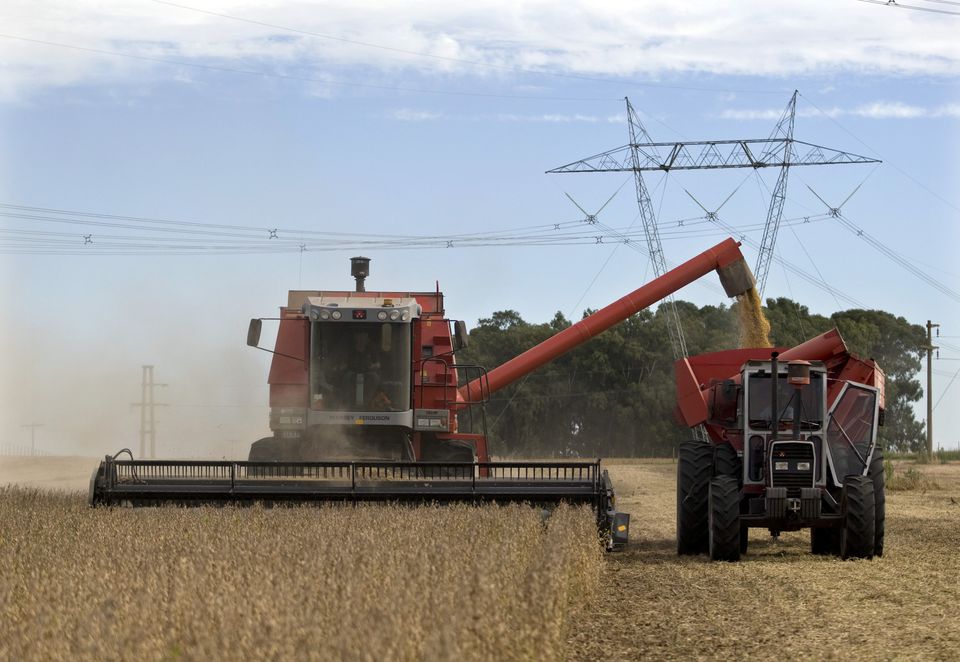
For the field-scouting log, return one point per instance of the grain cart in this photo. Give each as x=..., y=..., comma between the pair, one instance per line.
x=368, y=403
x=793, y=445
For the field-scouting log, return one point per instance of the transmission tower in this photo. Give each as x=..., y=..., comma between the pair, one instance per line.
x=148, y=416
x=780, y=150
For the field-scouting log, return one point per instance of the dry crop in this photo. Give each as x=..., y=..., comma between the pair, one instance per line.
x=378, y=582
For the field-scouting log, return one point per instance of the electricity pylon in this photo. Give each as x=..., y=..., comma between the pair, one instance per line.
x=780, y=150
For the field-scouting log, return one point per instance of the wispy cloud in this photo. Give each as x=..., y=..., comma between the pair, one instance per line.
x=421, y=115
x=872, y=110
x=620, y=39
x=413, y=115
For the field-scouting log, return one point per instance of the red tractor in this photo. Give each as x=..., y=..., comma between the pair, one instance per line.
x=793, y=445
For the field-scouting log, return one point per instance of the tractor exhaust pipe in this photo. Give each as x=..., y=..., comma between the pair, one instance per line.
x=360, y=269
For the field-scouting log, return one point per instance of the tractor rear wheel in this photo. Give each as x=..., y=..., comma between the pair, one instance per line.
x=726, y=462
x=724, y=519
x=824, y=542
x=694, y=468
x=857, y=537
x=876, y=475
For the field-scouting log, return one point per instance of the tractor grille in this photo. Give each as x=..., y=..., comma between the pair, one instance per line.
x=792, y=465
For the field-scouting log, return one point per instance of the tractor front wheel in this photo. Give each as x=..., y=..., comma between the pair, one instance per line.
x=724, y=519
x=694, y=469
x=857, y=538
x=876, y=475
x=824, y=542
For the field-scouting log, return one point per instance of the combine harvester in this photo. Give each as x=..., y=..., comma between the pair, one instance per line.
x=793, y=445
x=368, y=403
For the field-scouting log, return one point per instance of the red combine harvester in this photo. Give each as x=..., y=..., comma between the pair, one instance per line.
x=793, y=445
x=368, y=403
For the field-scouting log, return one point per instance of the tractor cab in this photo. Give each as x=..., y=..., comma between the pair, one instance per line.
x=783, y=424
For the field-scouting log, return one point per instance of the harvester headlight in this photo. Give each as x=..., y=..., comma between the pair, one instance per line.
x=336, y=314
x=382, y=315
x=324, y=314
x=394, y=315
x=405, y=316
x=314, y=315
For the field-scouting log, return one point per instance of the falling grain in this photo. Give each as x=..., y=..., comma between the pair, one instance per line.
x=754, y=327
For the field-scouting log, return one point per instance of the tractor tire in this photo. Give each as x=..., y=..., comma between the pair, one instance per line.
x=726, y=462
x=268, y=449
x=876, y=475
x=724, y=519
x=824, y=542
x=744, y=540
x=694, y=468
x=857, y=537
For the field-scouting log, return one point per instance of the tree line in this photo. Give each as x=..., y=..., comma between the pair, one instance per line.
x=614, y=395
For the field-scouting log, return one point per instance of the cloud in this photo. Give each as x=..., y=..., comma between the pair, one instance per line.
x=367, y=39
x=411, y=115
x=872, y=110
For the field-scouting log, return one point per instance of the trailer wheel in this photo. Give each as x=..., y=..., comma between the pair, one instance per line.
x=859, y=522
x=824, y=542
x=694, y=467
x=726, y=462
x=879, y=500
x=724, y=519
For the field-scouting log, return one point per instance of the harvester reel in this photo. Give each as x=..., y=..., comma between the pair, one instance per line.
x=694, y=470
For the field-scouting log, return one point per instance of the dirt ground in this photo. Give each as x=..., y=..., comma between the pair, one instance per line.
x=49, y=473
x=778, y=602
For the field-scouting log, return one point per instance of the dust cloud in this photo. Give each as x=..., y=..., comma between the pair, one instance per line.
x=83, y=391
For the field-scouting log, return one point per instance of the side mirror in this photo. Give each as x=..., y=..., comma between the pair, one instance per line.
x=253, y=332
x=460, y=337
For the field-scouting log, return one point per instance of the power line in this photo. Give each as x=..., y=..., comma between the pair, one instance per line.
x=885, y=160
x=949, y=384
x=894, y=3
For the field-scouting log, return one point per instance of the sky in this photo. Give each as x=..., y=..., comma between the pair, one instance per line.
x=420, y=135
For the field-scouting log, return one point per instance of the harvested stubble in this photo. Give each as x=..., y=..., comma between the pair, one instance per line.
x=377, y=582
x=780, y=602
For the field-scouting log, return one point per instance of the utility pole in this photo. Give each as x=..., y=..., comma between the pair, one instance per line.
x=33, y=436
x=148, y=415
x=930, y=347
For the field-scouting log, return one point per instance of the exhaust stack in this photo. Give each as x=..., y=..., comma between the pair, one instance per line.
x=360, y=269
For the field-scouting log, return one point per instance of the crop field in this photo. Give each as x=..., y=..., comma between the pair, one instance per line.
x=460, y=582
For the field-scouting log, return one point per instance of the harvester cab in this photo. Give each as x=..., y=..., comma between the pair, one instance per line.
x=793, y=446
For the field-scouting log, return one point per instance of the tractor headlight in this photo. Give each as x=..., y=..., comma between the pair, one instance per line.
x=336, y=314
x=324, y=314
x=314, y=315
x=394, y=315
x=382, y=315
